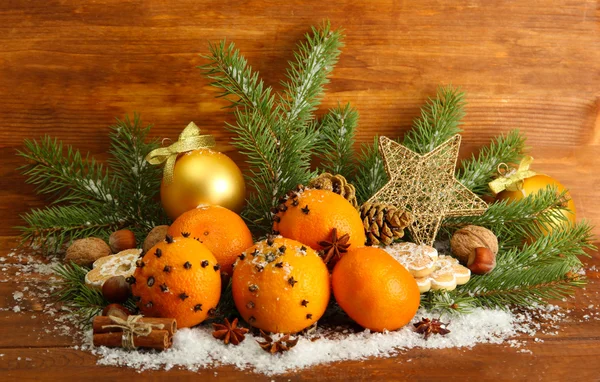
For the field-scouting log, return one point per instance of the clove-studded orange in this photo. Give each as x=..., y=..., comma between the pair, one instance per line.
x=374, y=289
x=310, y=216
x=280, y=285
x=177, y=278
x=221, y=230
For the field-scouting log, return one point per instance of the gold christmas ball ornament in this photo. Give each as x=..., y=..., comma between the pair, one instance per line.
x=518, y=183
x=537, y=183
x=194, y=174
x=203, y=177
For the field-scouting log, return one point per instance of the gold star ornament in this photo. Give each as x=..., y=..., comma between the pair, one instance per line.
x=425, y=185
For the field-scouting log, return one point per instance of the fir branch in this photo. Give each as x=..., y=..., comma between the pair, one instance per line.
x=230, y=73
x=370, y=173
x=53, y=226
x=87, y=302
x=278, y=140
x=307, y=75
x=66, y=177
x=138, y=181
x=476, y=173
x=515, y=221
x=544, y=270
x=439, y=121
x=337, y=131
x=94, y=201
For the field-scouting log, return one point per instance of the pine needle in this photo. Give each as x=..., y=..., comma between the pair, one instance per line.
x=440, y=119
x=476, y=173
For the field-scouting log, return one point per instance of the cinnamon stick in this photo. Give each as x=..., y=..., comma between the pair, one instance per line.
x=170, y=325
x=158, y=339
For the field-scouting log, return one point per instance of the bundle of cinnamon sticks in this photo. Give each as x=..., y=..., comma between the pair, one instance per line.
x=108, y=333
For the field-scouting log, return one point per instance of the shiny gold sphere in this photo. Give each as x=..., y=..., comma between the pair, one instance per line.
x=203, y=177
x=535, y=184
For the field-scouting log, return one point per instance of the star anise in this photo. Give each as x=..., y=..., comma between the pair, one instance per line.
x=229, y=332
x=428, y=327
x=271, y=346
x=335, y=246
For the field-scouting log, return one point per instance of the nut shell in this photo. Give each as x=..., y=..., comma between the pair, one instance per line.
x=156, y=235
x=116, y=310
x=121, y=240
x=467, y=239
x=85, y=251
x=116, y=289
x=483, y=262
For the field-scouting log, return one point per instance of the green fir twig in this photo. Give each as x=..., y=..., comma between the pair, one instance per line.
x=90, y=199
x=275, y=132
x=515, y=221
x=370, y=173
x=477, y=172
x=440, y=119
x=337, y=131
x=545, y=270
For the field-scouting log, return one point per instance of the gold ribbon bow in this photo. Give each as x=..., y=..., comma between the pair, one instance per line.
x=189, y=139
x=132, y=327
x=512, y=179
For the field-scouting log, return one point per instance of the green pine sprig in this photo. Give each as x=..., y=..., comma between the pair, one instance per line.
x=276, y=132
x=370, y=174
x=544, y=270
x=336, y=133
x=477, y=172
x=515, y=221
x=440, y=119
x=89, y=199
x=86, y=302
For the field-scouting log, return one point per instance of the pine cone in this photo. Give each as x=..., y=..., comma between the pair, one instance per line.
x=337, y=184
x=383, y=223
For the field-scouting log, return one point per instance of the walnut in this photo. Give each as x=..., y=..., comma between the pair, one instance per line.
x=85, y=251
x=467, y=239
x=156, y=235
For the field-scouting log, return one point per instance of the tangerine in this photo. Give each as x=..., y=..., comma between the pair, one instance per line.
x=177, y=278
x=310, y=215
x=221, y=230
x=374, y=289
x=280, y=285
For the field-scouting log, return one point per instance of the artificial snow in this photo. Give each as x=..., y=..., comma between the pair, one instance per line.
x=195, y=349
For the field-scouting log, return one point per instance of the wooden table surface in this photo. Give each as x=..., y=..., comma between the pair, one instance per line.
x=68, y=68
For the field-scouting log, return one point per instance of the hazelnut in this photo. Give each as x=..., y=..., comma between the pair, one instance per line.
x=116, y=289
x=85, y=251
x=116, y=310
x=156, y=235
x=465, y=240
x=121, y=240
x=484, y=261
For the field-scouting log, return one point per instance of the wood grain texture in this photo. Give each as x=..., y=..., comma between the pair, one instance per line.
x=68, y=68
x=30, y=352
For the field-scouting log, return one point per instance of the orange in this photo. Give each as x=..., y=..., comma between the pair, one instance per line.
x=535, y=184
x=177, y=278
x=280, y=285
x=374, y=289
x=221, y=230
x=310, y=215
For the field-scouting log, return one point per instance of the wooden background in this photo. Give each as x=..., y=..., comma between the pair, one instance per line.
x=68, y=68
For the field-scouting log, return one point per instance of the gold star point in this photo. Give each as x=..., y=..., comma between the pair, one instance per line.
x=426, y=186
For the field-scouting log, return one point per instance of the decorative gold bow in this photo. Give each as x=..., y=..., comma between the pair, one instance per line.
x=132, y=327
x=189, y=139
x=512, y=179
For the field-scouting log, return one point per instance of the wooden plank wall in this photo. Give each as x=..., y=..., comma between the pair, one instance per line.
x=68, y=68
